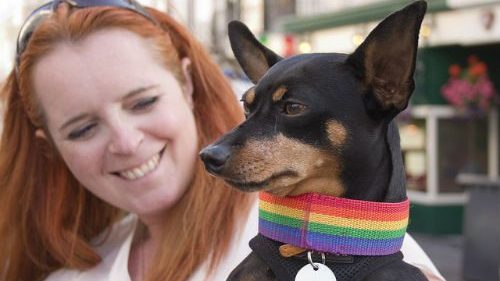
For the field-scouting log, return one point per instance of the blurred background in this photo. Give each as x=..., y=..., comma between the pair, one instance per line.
x=449, y=133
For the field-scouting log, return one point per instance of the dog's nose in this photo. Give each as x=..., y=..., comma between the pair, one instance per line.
x=214, y=157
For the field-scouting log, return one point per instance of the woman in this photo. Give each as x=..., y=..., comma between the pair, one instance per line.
x=106, y=110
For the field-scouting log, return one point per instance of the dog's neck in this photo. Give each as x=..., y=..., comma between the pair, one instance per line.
x=333, y=224
x=382, y=179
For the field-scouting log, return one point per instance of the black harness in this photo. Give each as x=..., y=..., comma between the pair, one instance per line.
x=346, y=268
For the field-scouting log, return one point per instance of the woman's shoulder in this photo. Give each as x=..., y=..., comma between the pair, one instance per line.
x=416, y=256
x=113, y=247
x=63, y=274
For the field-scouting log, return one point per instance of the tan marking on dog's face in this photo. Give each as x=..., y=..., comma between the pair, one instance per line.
x=337, y=133
x=249, y=96
x=279, y=93
x=306, y=168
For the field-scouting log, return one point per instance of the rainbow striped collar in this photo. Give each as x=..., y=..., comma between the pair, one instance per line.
x=334, y=225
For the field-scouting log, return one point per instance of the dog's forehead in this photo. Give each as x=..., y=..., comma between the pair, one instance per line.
x=298, y=71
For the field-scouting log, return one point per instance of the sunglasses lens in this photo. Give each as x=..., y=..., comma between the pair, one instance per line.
x=45, y=10
x=29, y=26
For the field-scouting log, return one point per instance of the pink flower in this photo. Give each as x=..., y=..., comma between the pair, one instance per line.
x=470, y=87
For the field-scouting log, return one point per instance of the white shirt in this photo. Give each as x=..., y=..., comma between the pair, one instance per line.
x=115, y=254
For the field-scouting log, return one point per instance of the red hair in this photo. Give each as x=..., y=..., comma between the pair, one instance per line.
x=48, y=218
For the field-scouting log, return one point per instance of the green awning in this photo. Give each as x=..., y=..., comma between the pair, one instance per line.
x=367, y=13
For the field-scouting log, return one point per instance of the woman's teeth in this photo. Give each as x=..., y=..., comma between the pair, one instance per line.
x=141, y=171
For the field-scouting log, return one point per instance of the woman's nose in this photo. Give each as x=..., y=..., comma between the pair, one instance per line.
x=125, y=139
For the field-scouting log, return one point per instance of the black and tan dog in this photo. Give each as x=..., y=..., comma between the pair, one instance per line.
x=323, y=123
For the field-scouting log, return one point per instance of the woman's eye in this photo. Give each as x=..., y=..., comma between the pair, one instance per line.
x=292, y=108
x=145, y=103
x=81, y=133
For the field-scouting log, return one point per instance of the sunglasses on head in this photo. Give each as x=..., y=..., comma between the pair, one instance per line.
x=42, y=12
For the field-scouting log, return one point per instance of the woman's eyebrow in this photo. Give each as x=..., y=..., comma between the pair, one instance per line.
x=74, y=120
x=130, y=94
x=138, y=91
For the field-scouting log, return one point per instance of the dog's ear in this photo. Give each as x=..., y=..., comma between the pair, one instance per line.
x=254, y=58
x=385, y=61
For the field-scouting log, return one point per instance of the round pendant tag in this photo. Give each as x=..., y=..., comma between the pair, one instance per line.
x=308, y=273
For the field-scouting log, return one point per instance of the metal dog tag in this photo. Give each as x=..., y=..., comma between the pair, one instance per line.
x=308, y=273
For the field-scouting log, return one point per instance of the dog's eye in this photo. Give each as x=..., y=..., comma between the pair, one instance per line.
x=292, y=108
x=246, y=109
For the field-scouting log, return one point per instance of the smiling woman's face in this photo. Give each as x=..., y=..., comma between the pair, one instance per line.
x=121, y=121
